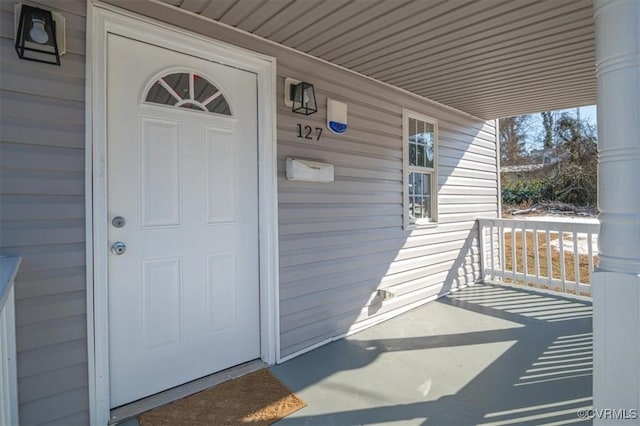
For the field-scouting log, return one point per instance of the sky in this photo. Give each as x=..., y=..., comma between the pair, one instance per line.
x=588, y=113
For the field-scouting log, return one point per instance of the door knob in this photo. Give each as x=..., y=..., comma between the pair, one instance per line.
x=118, y=248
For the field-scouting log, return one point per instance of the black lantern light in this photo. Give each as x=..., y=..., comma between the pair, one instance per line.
x=304, y=98
x=36, y=36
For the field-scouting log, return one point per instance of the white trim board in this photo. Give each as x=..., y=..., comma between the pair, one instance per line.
x=101, y=20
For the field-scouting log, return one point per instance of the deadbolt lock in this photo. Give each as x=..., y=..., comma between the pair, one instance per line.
x=118, y=222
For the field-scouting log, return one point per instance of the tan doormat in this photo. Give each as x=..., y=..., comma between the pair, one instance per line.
x=255, y=399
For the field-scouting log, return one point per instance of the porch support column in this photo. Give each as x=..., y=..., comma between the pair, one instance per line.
x=616, y=282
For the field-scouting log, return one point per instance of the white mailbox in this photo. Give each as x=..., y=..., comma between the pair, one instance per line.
x=309, y=171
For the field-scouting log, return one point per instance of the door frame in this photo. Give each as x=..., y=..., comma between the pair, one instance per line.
x=103, y=19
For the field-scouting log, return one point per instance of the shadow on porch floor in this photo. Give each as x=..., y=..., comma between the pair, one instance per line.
x=483, y=355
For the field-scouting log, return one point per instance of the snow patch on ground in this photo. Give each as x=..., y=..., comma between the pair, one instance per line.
x=583, y=244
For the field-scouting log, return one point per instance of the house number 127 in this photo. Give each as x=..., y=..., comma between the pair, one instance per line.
x=305, y=132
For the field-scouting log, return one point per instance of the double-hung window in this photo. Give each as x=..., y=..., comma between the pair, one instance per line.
x=420, y=154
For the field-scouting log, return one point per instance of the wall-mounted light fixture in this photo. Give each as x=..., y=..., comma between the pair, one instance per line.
x=300, y=96
x=304, y=99
x=40, y=34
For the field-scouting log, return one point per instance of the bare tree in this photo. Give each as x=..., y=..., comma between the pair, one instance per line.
x=575, y=178
x=547, y=128
x=513, y=139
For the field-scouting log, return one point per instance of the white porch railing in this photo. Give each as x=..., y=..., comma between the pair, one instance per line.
x=8, y=373
x=556, y=255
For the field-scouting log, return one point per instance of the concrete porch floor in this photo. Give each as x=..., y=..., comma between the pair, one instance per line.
x=483, y=355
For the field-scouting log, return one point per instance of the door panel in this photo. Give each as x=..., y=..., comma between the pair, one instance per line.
x=222, y=306
x=160, y=171
x=184, y=296
x=219, y=166
x=161, y=308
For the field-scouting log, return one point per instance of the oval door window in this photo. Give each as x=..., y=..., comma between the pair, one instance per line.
x=188, y=90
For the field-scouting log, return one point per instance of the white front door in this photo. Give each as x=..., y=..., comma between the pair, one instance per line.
x=182, y=174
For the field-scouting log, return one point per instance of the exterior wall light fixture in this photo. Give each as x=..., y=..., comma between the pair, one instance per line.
x=303, y=98
x=38, y=34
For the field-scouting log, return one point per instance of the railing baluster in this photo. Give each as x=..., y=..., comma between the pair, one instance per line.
x=493, y=243
x=590, y=254
x=576, y=261
x=496, y=253
x=525, y=268
x=514, y=255
x=501, y=247
x=562, y=266
x=536, y=254
x=549, y=259
x=483, y=260
x=489, y=262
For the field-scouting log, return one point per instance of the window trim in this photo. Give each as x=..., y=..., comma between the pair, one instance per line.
x=406, y=169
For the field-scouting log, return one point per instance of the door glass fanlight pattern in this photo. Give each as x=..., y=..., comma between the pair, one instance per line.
x=188, y=90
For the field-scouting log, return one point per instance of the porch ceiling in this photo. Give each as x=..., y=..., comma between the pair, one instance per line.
x=490, y=58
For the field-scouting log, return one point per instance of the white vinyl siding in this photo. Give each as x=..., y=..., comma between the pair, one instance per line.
x=42, y=218
x=339, y=242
